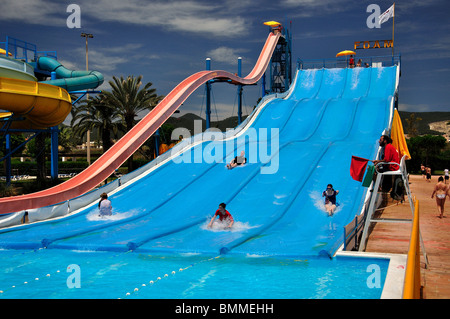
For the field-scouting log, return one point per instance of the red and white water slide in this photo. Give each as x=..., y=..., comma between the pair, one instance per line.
x=105, y=165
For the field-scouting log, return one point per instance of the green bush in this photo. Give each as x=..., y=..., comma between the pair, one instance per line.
x=29, y=168
x=67, y=167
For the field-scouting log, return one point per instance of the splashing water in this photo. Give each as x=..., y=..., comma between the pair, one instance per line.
x=309, y=79
x=319, y=201
x=222, y=226
x=355, y=78
x=95, y=216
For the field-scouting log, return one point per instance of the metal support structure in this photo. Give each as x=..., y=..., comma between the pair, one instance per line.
x=281, y=64
x=8, y=159
x=54, y=132
x=369, y=218
x=83, y=94
x=239, y=91
x=208, y=96
x=88, y=133
x=263, y=86
x=157, y=142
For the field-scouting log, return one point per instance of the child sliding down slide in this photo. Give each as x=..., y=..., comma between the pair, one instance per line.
x=224, y=216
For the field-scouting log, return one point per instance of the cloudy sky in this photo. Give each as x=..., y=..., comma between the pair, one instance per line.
x=166, y=41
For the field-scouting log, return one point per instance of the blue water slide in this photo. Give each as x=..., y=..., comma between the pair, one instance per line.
x=308, y=136
x=297, y=223
x=68, y=79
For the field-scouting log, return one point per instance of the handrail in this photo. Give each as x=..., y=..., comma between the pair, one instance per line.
x=352, y=235
x=411, y=289
x=342, y=62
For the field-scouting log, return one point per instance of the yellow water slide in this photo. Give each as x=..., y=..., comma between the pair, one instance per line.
x=33, y=105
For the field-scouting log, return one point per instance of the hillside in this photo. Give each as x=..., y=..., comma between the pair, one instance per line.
x=423, y=126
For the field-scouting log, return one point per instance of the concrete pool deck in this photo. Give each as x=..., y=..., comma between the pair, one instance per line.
x=393, y=238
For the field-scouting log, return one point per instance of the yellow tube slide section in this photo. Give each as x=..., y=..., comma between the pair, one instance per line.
x=41, y=105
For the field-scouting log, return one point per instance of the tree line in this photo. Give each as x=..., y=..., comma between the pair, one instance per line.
x=430, y=150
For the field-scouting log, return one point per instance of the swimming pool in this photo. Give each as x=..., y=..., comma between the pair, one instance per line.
x=61, y=274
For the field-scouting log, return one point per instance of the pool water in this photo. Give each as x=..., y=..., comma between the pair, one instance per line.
x=53, y=273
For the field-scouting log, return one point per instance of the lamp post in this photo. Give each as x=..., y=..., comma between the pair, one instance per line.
x=88, y=133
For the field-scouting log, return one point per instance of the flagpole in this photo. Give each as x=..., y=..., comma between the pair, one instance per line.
x=393, y=21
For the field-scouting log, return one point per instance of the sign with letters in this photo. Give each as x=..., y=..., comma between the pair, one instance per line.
x=376, y=44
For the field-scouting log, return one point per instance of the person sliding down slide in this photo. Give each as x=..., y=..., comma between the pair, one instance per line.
x=330, y=199
x=104, y=206
x=238, y=160
x=224, y=216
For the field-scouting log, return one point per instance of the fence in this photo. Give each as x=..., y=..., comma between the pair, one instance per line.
x=343, y=62
x=352, y=232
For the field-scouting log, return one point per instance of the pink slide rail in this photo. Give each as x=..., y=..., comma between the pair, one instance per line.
x=105, y=165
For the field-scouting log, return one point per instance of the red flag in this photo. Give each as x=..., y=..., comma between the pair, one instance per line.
x=358, y=168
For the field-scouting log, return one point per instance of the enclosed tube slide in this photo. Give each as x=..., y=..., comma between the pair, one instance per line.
x=41, y=105
x=68, y=79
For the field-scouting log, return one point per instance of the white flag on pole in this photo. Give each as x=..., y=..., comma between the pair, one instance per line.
x=385, y=16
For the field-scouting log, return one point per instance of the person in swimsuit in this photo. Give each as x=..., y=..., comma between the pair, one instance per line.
x=441, y=190
x=238, y=160
x=104, y=206
x=428, y=174
x=330, y=199
x=422, y=169
x=224, y=216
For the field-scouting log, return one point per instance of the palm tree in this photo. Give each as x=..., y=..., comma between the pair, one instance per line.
x=95, y=114
x=128, y=99
x=67, y=139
